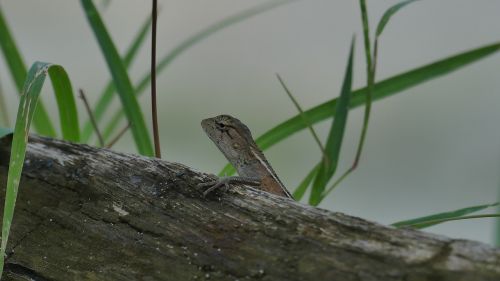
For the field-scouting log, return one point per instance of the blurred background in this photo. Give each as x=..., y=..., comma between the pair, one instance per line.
x=432, y=148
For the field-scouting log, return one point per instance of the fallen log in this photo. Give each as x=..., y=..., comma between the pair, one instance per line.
x=85, y=213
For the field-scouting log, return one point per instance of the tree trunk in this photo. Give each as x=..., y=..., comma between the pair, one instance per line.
x=85, y=213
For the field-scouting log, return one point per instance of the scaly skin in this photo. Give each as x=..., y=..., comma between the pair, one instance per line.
x=235, y=141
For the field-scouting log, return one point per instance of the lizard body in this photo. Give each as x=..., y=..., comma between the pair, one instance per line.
x=235, y=141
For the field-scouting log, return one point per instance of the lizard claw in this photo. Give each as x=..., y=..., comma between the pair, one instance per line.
x=225, y=182
x=212, y=185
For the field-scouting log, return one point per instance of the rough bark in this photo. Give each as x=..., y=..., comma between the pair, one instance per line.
x=93, y=214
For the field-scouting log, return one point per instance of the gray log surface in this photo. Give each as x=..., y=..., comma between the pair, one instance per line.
x=85, y=213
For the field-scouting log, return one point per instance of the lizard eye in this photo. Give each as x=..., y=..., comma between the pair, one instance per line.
x=221, y=126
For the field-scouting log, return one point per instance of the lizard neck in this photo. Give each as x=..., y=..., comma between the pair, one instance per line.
x=257, y=166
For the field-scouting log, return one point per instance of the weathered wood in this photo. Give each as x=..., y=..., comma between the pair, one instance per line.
x=93, y=214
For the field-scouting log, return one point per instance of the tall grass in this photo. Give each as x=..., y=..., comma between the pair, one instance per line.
x=31, y=109
x=27, y=107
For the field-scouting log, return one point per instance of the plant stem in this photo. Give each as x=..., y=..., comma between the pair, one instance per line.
x=415, y=225
x=118, y=136
x=91, y=117
x=304, y=118
x=156, y=135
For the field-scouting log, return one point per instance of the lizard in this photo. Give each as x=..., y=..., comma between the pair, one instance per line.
x=235, y=141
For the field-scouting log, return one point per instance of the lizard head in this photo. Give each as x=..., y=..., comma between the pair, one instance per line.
x=225, y=126
x=229, y=134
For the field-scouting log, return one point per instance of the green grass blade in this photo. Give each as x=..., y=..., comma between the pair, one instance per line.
x=388, y=14
x=196, y=38
x=68, y=114
x=335, y=136
x=107, y=94
x=431, y=220
x=17, y=69
x=366, y=35
x=121, y=80
x=27, y=105
x=4, y=116
x=438, y=221
x=301, y=189
x=192, y=40
x=383, y=89
x=370, y=80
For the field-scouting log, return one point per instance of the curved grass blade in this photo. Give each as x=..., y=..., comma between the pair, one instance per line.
x=388, y=14
x=17, y=69
x=336, y=135
x=438, y=221
x=383, y=89
x=107, y=94
x=27, y=105
x=370, y=75
x=190, y=42
x=66, y=103
x=121, y=80
x=431, y=220
x=371, y=64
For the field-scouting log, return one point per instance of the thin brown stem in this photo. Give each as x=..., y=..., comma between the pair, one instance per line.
x=118, y=136
x=304, y=118
x=156, y=134
x=91, y=117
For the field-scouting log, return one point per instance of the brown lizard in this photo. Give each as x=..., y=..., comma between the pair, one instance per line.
x=235, y=141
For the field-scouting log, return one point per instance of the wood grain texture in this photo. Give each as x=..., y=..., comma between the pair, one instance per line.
x=93, y=214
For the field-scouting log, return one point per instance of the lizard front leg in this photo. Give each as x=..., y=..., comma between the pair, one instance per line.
x=226, y=181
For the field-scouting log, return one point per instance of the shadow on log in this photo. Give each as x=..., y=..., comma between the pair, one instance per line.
x=93, y=214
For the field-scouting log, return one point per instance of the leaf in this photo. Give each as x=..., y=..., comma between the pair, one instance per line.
x=431, y=220
x=382, y=89
x=121, y=80
x=336, y=135
x=107, y=94
x=188, y=43
x=388, y=14
x=66, y=103
x=27, y=105
x=17, y=69
x=4, y=116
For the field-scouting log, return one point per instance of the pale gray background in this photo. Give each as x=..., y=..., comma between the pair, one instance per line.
x=432, y=148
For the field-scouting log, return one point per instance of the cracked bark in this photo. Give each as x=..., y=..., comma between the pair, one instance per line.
x=93, y=214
